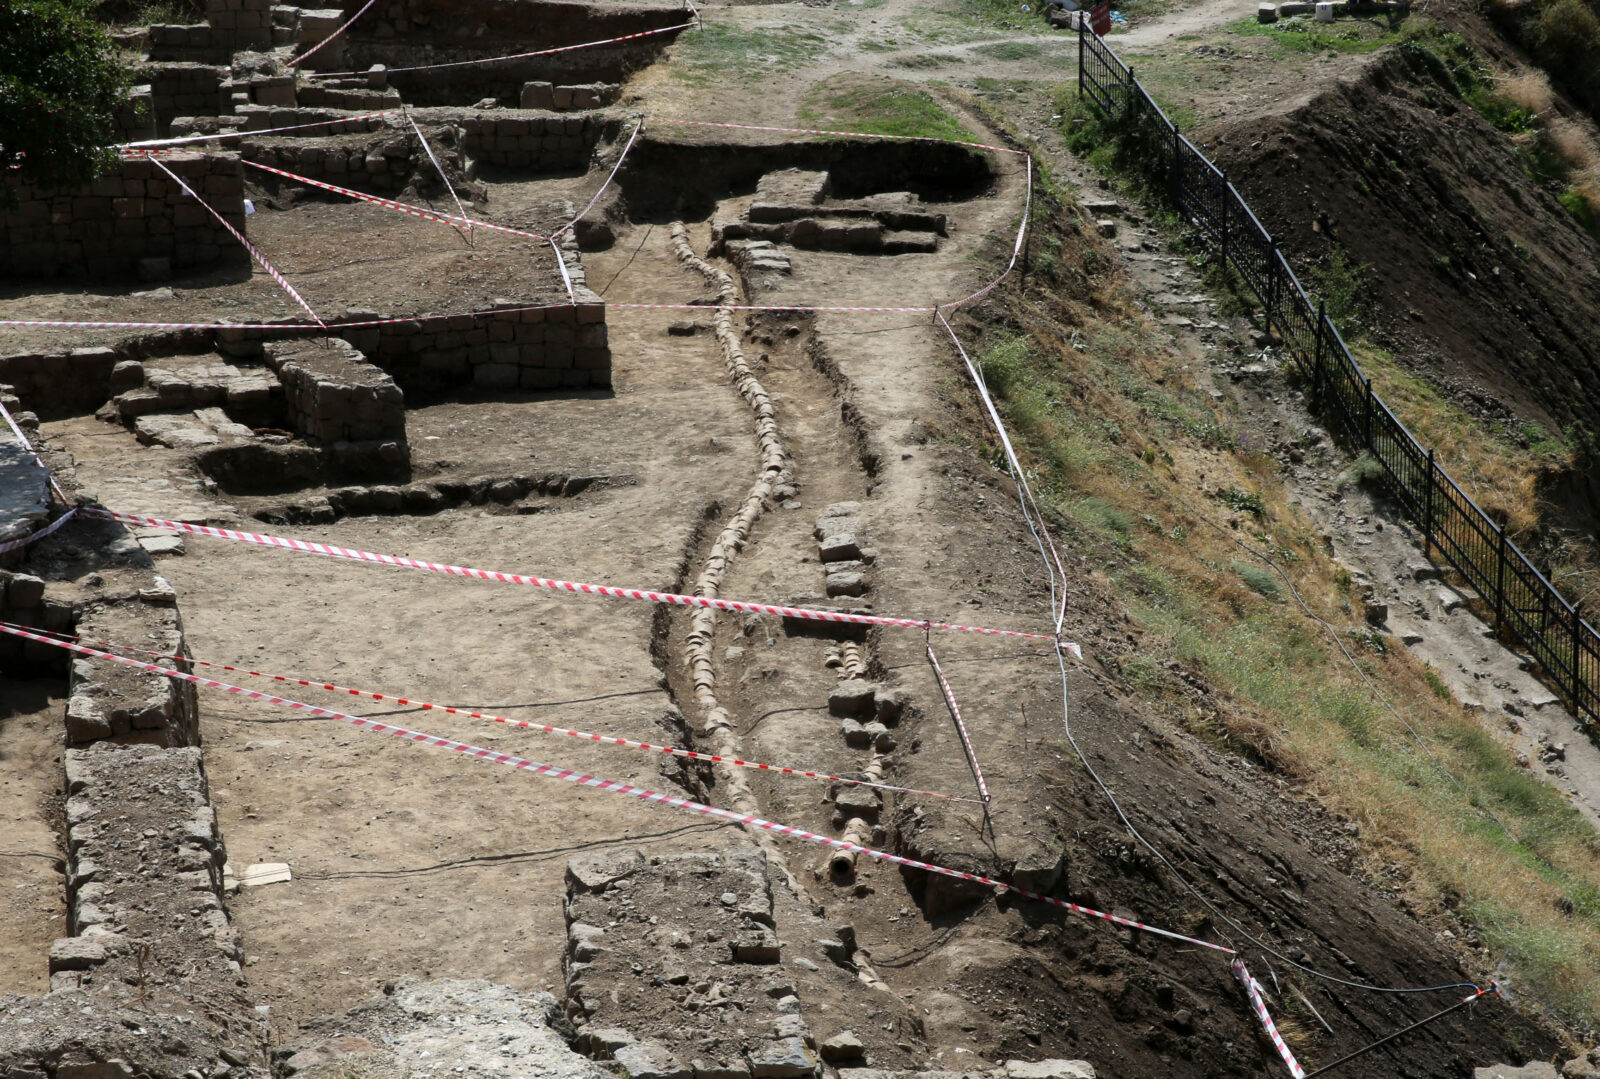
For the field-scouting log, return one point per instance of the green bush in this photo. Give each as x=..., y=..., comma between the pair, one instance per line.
x=60, y=86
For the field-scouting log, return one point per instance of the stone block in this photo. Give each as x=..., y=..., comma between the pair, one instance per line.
x=852, y=698
x=648, y=1060
x=1049, y=1069
x=787, y=1058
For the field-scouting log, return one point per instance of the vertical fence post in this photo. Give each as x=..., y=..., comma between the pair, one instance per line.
x=1500, y=582
x=1177, y=167
x=1366, y=417
x=1227, y=200
x=1080, y=56
x=1577, y=657
x=1427, y=508
x=1275, y=286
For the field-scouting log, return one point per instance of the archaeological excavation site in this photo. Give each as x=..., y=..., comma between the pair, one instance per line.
x=511, y=566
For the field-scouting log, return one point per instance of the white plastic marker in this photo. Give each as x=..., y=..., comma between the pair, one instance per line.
x=610, y=786
x=303, y=57
x=1252, y=989
x=328, y=550
x=513, y=56
x=237, y=235
x=603, y=739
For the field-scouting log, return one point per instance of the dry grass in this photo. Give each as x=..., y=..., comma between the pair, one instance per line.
x=1142, y=469
x=1529, y=90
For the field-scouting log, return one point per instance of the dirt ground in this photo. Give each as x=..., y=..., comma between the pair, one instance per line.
x=414, y=864
x=33, y=902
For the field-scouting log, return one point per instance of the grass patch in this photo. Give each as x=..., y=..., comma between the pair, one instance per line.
x=880, y=106
x=1011, y=50
x=718, y=50
x=1302, y=35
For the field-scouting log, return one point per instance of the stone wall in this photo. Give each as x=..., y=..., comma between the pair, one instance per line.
x=542, y=348
x=136, y=222
x=528, y=139
x=185, y=89
x=333, y=394
x=406, y=33
x=193, y=44
x=238, y=25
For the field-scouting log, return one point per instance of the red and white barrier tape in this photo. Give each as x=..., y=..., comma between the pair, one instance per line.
x=248, y=246
x=144, y=147
x=961, y=728
x=22, y=438
x=311, y=51
x=403, y=207
x=610, y=786
x=513, y=56
x=448, y=186
x=286, y=327
x=35, y=537
x=843, y=134
x=1016, y=249
x=1252, y=989
x=427, y=706
x=561, y=264
x=638, y=127
x=328, y=550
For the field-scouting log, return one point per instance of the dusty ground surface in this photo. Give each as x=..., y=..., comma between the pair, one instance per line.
x=411, y=863
x=33, y=901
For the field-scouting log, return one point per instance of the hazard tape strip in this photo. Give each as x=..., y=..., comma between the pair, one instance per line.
x=448, y=186
x=961, y=727
x=603, y=739
x=513, y=56
x=303, y=57
x=403, y=207
x=248, y=246
x=843, y=134
x=611, y=786
x=638, y=127
x=1252, y=989
x=35, y=537
x=149, y=146
x=328, y=550
x=22, y=437
x=286, y=327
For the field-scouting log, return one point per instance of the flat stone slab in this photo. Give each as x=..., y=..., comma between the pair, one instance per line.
x=24, y=488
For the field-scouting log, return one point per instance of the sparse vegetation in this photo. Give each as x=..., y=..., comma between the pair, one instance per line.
x=720, y=49
x=1086, y=406
x=880, y=106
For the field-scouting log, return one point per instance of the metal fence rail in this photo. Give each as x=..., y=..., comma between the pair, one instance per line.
x=1522, y=601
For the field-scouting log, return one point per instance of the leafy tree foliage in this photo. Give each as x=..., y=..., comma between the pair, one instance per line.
x=60, y=85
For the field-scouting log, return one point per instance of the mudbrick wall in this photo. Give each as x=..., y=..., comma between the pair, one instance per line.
x=135, y=222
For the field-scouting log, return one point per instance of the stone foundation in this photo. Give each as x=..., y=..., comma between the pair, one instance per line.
x=135, y=222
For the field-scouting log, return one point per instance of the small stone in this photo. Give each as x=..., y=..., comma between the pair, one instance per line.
x=843, y=1046
x=805, y=964
x=1376, y=613
x=841, y=547
x=854, y=733
x=852, y=697
x=1447, y=600
x=595, y=872
x=1049, y=1069
x=755, y=946
x=76, y=953
x=787, y=1058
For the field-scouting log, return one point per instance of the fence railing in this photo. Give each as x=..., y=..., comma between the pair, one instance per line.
x=1523, y=603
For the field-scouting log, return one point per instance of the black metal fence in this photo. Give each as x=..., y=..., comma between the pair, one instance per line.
x=1524, y=604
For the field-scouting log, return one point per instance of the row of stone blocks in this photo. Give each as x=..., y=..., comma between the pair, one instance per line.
x=333, y=394
x=519, y=345
x=135, y=213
